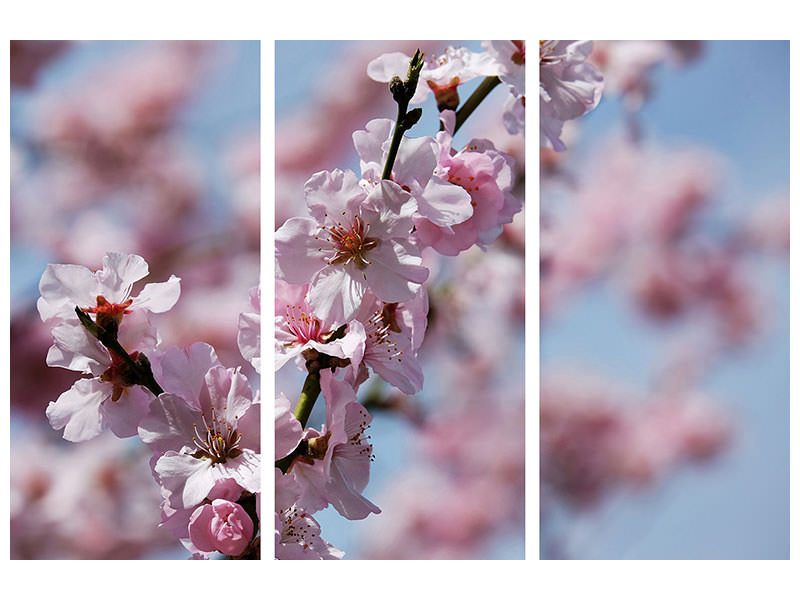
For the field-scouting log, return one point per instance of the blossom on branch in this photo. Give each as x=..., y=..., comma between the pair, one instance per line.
x=569, y=87
x=356, y=239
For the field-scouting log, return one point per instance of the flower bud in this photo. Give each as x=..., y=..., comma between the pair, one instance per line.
x=223, y=526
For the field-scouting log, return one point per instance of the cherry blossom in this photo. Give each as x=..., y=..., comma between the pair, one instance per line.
x=288, y=430
x=297, y=328
x=297, y=533
x=487, y=176
x=569, y=87
x=355, y=240
x=176, y=520
x=104, y=292
x=217, y=440
x=441, y=74
x=223, y=526
x=336, y=468
x=93, y=405
x=510, y=57
x=416, y=170
x=390, y=349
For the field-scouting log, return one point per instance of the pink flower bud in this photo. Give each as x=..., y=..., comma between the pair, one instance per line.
x=221, y=525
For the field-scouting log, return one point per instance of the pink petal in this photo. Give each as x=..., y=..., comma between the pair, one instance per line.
x=229, y=392
x=331, y=194
x=395, y=271
x=288, y=431
x=124, y=415
x=159, y=297
x=245, y=469
x=169, y=424
x=183, y=371
x=200, y=528
x=119, y=272
x=369, y=145
x=63, y=287
x=297, y=255
x=444, y=204
x=387, y=66
x=345, y=499
x=416, y=160
x=336, y=291
x=76, y=349
x=190, y=479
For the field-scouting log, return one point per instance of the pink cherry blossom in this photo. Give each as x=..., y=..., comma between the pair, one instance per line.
x=215, y=441
x=76, y=349
x=336, y=469
x=93, y=405
x=390, y=349
x=510, y=57
x=297, y=533
x=487, y=176
x=297, y=328
x=569, y=87
x=439, y=200
x=223, y=526
x=63, y=287
x=441, y=74
x=109, y=399
x=356, y=239
x=176, y=519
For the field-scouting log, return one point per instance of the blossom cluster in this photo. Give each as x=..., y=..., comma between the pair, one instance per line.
x=353, y=273
x=199, y=419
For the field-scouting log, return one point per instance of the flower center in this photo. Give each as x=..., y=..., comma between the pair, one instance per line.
x=378, y=329
x=546, y=49
x=109, y=311
x=318, y=446
x=303, y=325
x=120, y=374
x=350, y=245
x=298, y=527
x=221, y=440
x=446, y=94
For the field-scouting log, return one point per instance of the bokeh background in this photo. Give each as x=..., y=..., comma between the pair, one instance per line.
x=150, y=148
x=449, y=461
x=665, y=309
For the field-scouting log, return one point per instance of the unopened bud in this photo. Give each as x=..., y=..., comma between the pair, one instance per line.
x=414, y=69
x=398, y=89
x=411, y=118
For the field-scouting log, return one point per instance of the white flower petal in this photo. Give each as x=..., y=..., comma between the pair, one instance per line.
x=78, y=410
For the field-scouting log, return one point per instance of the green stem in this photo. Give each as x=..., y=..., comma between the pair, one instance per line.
x=480, y=93
x=397, y=136
x=403, y=92
x=307, y=398
x=305, y=404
